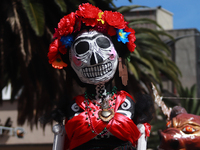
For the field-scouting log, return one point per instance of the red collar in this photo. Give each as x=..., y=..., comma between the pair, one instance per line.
x=81, y=128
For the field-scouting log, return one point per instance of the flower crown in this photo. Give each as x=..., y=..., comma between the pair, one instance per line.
x=107, y=22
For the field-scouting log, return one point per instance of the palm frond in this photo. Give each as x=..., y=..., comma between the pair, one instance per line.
x=133, y=22
x=62, y=5
x=133, y=70
x=124, y=9
x=35, y=14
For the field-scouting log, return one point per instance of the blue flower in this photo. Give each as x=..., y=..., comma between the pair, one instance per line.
x=67, y=40
x=122, y=36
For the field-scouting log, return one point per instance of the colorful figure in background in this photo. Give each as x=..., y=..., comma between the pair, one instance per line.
x=183, y=131
x=103, y=117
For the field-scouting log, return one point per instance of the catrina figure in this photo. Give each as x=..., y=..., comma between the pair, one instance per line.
x=93, y=44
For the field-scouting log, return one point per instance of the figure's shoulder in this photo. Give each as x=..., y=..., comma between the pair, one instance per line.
x=126, y=94
x=75, y=106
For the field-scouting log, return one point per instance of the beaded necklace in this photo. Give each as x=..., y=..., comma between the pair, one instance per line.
x=110, y=97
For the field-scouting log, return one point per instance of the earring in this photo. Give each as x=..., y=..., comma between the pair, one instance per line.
x=123, y=72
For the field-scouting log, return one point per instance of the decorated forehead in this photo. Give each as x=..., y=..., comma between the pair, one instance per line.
x=103, y=23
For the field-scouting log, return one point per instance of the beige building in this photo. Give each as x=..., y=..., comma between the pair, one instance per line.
x=37, y=138
x=160, y=15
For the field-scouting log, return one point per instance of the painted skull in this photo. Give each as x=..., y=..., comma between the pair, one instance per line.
x=93, y=57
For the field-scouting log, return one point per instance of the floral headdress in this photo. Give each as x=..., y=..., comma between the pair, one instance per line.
x=107, y=22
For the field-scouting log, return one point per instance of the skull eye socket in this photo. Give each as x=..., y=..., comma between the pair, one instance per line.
x=103, y=42
x=82, y=47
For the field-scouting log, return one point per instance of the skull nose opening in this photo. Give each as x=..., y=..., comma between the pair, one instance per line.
x=95, y=59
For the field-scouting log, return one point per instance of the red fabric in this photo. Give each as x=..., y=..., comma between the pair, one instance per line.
x=120, y=126
x=147, y=129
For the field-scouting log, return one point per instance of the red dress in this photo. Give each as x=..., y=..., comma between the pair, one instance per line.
x=81, y=129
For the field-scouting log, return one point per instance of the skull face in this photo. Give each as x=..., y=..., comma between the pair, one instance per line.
x=93, y=58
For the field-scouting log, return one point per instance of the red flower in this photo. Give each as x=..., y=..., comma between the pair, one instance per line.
x=131, y=37
x=56, y=34
x=111, y=31
x=66, y=24
x=58, y=63
x=131, y=46
x=127, y=29
x=89, y=14
x=54, y=49
x=115, y=19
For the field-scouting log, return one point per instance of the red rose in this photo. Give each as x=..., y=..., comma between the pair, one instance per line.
x=127, y=29
x=131, y=37
x=89, y=14
x=54, y=49
x=111, y=31
x=66, y=24
x=131, y=46
x=115, y=19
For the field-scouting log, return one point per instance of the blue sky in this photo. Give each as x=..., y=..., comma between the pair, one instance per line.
x=186, y=13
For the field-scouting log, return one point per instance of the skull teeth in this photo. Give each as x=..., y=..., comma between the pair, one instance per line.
x=97, y=71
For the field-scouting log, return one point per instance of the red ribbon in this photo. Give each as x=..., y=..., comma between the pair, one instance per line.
x=147, y=129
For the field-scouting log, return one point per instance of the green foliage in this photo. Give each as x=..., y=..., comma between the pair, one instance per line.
x=189, y=100
x=151, y=59
x=35, y=13
x=124, y=9
x=62, y=5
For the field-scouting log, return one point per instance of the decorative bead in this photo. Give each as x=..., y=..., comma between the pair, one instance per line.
x=92, y=114
x=113, y=103
x=86, y=107
x=86, y=118
x=90, y=109
x=115, y=97
x=94, y=110
x=105, y=128
x=88, y=124
x=99, y=133
x=92, y=131
x=98, y=118
x=86, y=112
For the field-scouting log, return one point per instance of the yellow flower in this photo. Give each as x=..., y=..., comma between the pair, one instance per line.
x=100, y=17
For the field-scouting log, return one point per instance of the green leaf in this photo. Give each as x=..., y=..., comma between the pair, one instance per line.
x=133, y=70
x=35, y=15
x=124, y=9
x=62, y=5
x=174, y=67
x=168, y=73
x=133, y=22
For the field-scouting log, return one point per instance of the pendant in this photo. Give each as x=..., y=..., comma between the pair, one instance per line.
x=106, y=115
